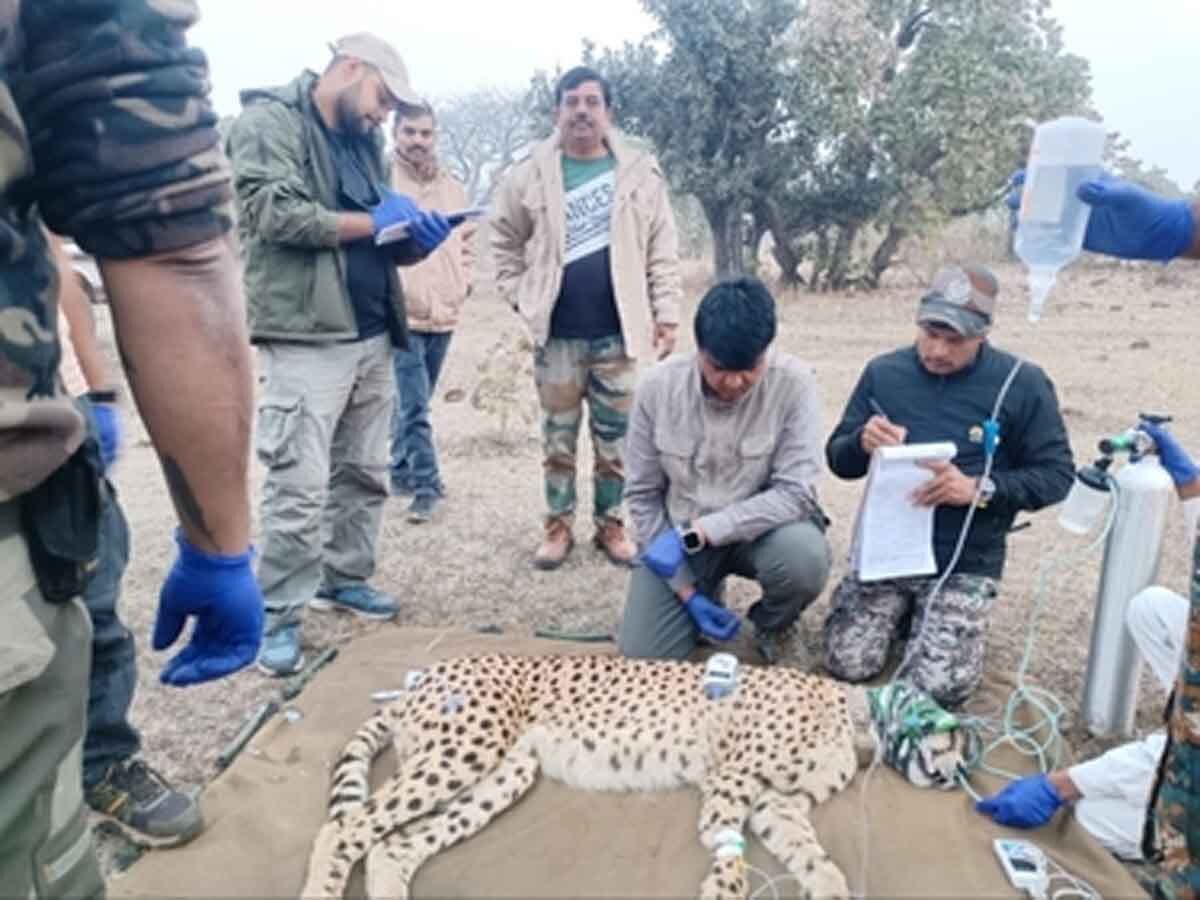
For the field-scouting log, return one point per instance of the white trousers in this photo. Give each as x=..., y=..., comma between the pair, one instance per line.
x=1116, y=786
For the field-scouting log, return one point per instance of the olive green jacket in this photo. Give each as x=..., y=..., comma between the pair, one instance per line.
x=295, y=268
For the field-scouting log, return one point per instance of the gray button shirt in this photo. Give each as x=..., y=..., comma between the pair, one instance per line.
x=737, y=469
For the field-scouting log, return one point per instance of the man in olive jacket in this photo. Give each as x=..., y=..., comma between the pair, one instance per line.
x=325, y=309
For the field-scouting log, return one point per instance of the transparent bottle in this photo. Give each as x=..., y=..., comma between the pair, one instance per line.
x=1051, y=222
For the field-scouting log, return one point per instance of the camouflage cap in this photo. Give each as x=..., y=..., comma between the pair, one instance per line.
x=962, y=298
x=377, y=52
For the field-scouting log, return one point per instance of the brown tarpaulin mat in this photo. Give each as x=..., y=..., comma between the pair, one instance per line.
x=557, y=842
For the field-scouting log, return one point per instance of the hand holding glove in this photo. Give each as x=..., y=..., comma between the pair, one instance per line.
x=222, y=593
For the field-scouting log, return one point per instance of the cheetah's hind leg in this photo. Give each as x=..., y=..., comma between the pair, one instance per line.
x=391, y=865
x=420, y=786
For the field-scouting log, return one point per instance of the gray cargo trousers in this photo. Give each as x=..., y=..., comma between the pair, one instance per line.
x=45, y=655
x=324, y=432
x=791, y=563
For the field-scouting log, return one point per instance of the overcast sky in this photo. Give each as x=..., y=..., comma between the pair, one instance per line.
x=1143, y=53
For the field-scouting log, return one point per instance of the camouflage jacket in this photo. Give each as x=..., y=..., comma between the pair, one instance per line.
x=107, y=135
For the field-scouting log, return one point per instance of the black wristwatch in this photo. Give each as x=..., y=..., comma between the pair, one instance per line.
x=693, y=540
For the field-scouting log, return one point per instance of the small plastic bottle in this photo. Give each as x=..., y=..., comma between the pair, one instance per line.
x=1052, y=220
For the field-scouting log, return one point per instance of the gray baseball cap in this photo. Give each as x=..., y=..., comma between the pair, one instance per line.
x=377, y=52
x=962, y=298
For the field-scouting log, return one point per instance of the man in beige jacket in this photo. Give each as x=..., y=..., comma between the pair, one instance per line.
x=434, y=291
x=585, y=250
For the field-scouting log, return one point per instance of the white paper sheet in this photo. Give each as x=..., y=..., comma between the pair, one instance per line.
x=893, y=538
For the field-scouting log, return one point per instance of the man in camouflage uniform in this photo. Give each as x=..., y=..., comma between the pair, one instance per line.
x=585, y=250
x=944, y=388
x=108, y=135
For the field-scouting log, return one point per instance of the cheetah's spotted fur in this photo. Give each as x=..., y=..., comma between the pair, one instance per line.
x=473, y=734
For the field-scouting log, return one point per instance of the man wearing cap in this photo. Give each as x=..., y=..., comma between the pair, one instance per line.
x=944, y=388
x=326, y=309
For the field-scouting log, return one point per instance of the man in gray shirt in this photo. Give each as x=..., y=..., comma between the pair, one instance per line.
x=722, y=461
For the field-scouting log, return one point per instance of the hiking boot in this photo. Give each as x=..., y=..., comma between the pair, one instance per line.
x=144, y=806
x=616, y=545
x=361, y=599
x=280, y=654
x=556, y=546
x=421, y=509
x=774, y=644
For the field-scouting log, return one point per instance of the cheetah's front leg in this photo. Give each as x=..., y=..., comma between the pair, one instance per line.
x=726, y=796
x=781, y=823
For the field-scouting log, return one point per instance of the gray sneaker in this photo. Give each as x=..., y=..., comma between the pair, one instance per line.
x=361, y=599
x=144, y=806
x=280, y=654
x=421, y=510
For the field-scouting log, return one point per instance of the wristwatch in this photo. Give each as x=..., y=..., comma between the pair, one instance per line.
x=693, y=540
x=987, y=490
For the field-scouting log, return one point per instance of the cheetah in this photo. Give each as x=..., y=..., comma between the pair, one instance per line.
x=473, y=734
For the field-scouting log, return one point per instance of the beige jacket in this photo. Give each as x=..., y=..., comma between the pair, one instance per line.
x=529, y=243
x=435, y=288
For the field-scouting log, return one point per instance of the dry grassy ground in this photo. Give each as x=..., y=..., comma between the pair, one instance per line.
x=1114, y=340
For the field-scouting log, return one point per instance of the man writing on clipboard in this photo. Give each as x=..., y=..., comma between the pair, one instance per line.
x=944, y=388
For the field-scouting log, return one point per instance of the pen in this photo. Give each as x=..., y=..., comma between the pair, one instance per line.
x=876, y=408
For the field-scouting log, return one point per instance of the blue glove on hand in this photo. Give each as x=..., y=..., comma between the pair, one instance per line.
x=392, y=209
x=1027, y=803
x=665, y=554
x=429, y=230
x=1127, y=221
x=223, y=594
x=108, y=427
x=1130, y=222
x=713, y=621
x=1177, y=461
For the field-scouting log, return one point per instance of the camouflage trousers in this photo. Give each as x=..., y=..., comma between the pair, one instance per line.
x=567, y=373
x=950, y=634
x=1175, y=817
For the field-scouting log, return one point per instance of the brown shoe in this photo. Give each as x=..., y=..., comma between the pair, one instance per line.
x=616, y=545
x=556, y=546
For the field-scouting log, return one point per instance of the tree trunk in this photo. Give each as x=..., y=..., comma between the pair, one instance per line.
x=724, y=220
x=882, y=258
x=767, y=213
x=839, y=262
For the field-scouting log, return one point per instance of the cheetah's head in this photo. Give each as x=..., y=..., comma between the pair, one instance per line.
x=922, y=741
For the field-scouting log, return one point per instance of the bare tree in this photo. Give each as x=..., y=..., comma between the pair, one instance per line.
x=481, y=134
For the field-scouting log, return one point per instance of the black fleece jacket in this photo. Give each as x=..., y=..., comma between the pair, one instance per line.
x=1033, y=466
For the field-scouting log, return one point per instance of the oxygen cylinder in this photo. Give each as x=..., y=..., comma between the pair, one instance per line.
x=1131, y=557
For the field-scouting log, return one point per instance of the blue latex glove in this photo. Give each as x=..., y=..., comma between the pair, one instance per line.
x=1126, y=220
x=429, y=230
x=1130, y=222
x=223, y=594
x=1027, y=803
x=1177, y=461
x=714, y=621
x=665, y=554
x=392, y=209
x=108, y=427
